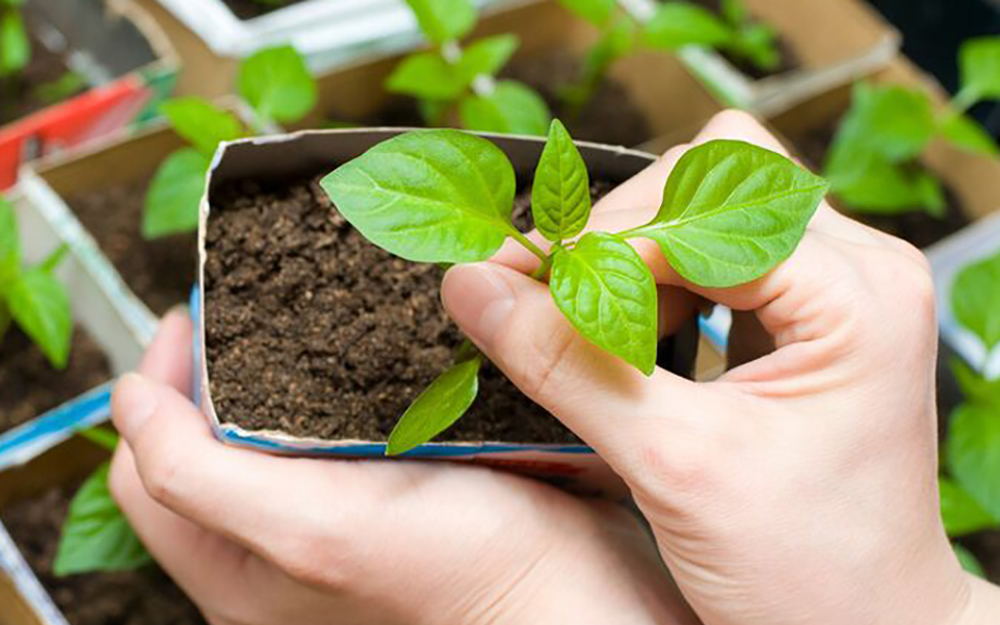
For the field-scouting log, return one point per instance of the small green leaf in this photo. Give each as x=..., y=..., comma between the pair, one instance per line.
x=966, y=134
x=277, y=84
x=69, y=84
x=731, y=212
x=10, y=245
x=973, y=451
x=975, y=299
x=560, y=195
x=486, y=57
x=40, y=306
x=606, y=291
x=52, y=261
x=437, y=196
x=979, y=62
x=735, y=12
x=871, y=184
x=756, y=43
x=512, y=108
x=891, y=121
x=201, y=124
x=975, y=387
x=968, y=561
x=174, y=197
x=96, y=535
x=437, y=408
x=597, y=12
x=616, y=42
x=961, y=513
x=444, y=20
x=102, y=437
x=15, y=49
x=679, y=24
x=426, y=76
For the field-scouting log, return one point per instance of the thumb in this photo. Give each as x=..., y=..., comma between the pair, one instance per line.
x=605, y=401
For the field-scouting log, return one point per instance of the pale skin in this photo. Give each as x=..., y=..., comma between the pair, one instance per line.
x=799, y=489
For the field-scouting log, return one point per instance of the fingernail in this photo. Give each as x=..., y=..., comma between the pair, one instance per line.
x=134, y=402
x=478, y=299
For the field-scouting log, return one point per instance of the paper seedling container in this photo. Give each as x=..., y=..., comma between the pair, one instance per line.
x=835, y=42
x=125, y=57
x=280, y=157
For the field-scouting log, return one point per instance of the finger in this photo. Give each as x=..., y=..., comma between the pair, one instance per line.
x=168, y=357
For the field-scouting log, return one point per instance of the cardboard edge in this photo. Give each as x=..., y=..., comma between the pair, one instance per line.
x=26, y=584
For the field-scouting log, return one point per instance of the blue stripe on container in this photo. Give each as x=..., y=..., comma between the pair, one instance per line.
x=88, y=408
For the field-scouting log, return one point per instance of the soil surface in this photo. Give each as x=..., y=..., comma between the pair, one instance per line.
x=161, y=272
x=313, y=331
x=789, y=58
x=249, y=9
x=142, y=597
x=30, y=386
x=986, y=547
x=19, y=94
x=916, y=225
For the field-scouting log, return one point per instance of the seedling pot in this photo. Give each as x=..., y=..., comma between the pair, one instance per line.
x=284, y=157
x=127, y=60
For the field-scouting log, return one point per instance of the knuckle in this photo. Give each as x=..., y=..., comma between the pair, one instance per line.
x=536, y=360
x=161, y=477
x=322, y=554
x=734, y=118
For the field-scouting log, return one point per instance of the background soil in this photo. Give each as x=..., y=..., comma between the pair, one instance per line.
x=249, y=9
x=18, y=94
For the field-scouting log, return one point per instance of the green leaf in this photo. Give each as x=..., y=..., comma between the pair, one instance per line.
x=174, y=197
x=616, y=42
x=979, y=62
x=437, y=408
x=486, y=57
x=731, y=212
x=426, y=76
x=102, y=437
x=966, y=134
x=892, y=121
x=444, y=20
x=96, y=535
x=973, y=452
x=961, y=513
x=437, y=196
x=597, y=12
x=68, y=84
x=15, y=49
x=40, y=306
x=53, y=260
x=968, y=561
x=975, y=387
x=606, y=291
x=975, y=299
x=277, y=84
x=10, y=245
x=735, y=12
x=679, y=24
x=512, y=108
x=757, y=44
x=870, y=184
x=560, y=195
x=201, y=124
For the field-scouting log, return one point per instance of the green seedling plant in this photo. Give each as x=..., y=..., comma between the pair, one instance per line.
x=277, y=85
x=15, y=47
x=730, y=213
x=451, y=80
x=672, y=26
x=32, y=297
x=970, y=483
x=873, y=164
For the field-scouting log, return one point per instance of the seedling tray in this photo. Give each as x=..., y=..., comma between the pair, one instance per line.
x=125, y=55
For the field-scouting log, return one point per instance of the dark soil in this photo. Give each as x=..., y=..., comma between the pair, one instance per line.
x=142, y=597
x=789, y=58
x=249, y=9
x=313, y=331
x=161, y=272
x=916, y=225
x=29, y=386
x=19, y=93
x=986, y=547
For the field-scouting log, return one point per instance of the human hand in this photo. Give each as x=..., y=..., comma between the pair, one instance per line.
x=263, y=540
x=801, y=487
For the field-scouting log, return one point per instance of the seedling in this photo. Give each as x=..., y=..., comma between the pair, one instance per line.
x=15, y=48
x=970, y=491
x=31, y=296
x=672, y=26
x=451, y=79
x=277, y=85
x=873, y=163
x=730, y=213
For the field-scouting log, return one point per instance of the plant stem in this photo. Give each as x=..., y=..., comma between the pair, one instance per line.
x=963, y=101
x=542, y=269
x=531, y=247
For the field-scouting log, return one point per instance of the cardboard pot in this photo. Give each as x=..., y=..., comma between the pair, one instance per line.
x=127, y=60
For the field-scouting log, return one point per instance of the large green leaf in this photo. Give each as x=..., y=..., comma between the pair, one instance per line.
x=486, y=57
x=606, y=291
x=10, y=245
x=15, y=49
x=512, y=108
x=174, y=197
x=678, y=24
x=965, y=133
x=444, y=20
x=40, y=306
x=973, y=453
x=597, y=12
x=277, y=84
x=968, y=561
x=440, y=196
x=979, y=61
x=201, y=124
x=975, y=299
x=437, y=408
x=962, y=514
x=560, y=196
x=96, y=535
x=891, y=121
x=731, y=212
x=868, y=183
x=975, y=387
x=427, y=76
